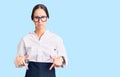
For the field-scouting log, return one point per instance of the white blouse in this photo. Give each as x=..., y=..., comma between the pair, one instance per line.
x=50, y=44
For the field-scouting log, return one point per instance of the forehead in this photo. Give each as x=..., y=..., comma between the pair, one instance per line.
x=39, y=12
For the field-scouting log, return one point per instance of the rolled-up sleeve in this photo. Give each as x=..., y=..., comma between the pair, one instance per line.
x=61, y=51
x=21, y=48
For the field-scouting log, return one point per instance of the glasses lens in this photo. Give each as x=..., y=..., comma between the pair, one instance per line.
x=43, y=18
x=36, y=18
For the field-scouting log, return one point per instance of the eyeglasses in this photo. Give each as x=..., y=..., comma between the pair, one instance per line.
x=42, y=18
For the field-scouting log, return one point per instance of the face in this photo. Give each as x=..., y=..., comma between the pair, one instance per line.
x=40, y=19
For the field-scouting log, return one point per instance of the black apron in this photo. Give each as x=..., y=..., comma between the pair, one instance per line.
x=40, y=69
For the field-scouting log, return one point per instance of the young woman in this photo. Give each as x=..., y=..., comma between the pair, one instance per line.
x=44, y=49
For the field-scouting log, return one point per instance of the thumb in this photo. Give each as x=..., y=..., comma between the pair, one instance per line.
x=25, y=57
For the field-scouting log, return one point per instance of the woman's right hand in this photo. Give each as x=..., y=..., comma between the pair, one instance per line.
x=19, y=60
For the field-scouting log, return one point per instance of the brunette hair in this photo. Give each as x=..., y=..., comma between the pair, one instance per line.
x=41, y=6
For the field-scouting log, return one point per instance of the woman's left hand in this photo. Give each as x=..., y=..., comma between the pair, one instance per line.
x=57, y=62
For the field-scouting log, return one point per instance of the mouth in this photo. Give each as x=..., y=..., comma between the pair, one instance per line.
x=39, y=24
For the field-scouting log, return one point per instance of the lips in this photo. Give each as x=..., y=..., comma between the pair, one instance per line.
x=39, y=24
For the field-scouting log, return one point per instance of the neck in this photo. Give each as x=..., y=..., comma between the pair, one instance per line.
x=40, y=33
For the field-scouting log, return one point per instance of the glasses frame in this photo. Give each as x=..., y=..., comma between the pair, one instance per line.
x=37, y=18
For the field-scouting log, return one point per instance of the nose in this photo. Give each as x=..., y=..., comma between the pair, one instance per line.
x=39, y=20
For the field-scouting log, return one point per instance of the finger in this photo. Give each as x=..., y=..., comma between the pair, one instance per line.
x=51, y=67
x=26, y=66
x=23, y=60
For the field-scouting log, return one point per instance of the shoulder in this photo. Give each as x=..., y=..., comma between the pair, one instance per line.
x=28, y=35
x=54, y=35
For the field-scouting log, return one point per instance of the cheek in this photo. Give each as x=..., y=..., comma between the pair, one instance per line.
x=35, y=23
